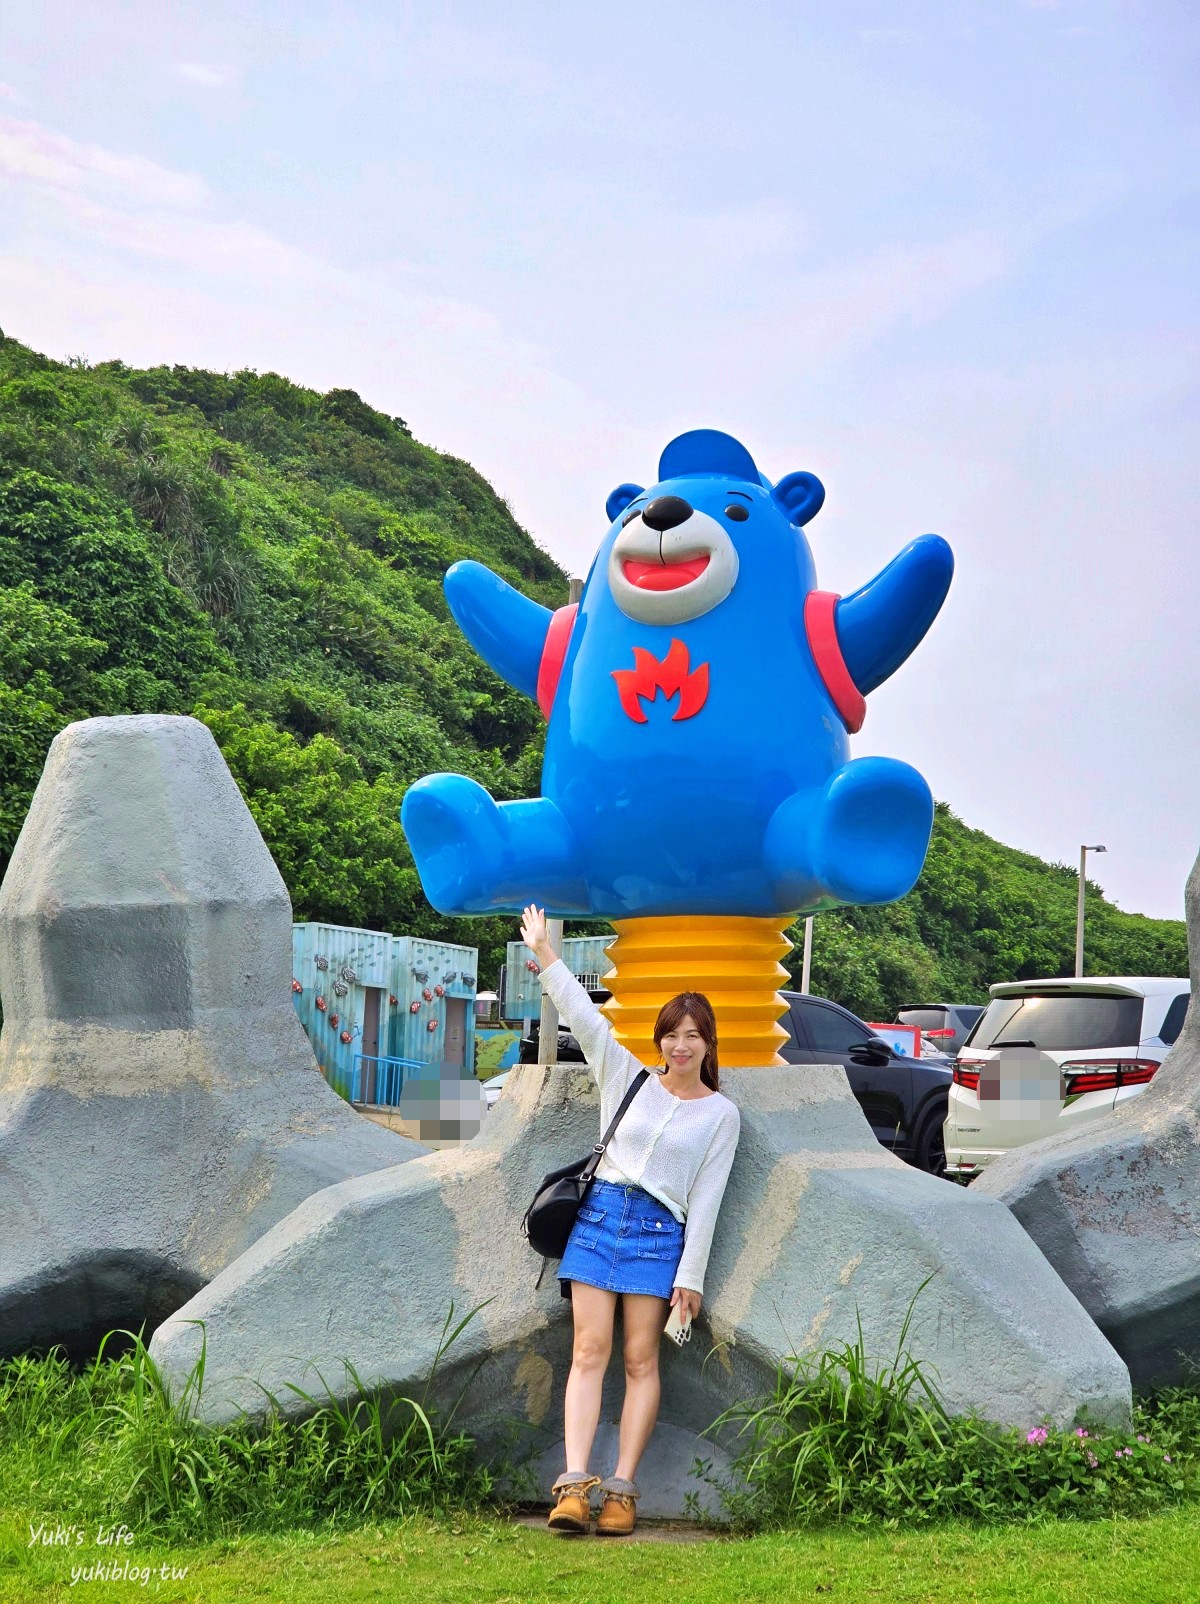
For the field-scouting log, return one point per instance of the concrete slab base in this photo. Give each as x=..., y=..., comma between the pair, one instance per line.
x=667, y=1479
x=647, y=1530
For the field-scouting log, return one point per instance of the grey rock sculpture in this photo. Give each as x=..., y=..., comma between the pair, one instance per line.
x=1115, y=1207
x=160, y=1107
x=820, y=1227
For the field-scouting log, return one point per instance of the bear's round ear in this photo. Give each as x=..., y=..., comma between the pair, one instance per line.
x=620, y=499
x=799, y=497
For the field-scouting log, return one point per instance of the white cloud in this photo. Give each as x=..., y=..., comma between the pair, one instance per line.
x=33, y=154
x=138, y=273
x=853, y=303
x=817, y=320
x=195, y=72
x=470, y=382
x=218, y=250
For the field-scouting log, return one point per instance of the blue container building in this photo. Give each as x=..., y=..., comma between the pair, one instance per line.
x=379, y=1008
x=585, y=956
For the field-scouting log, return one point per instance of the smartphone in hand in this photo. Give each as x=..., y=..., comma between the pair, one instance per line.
x=678, y=1330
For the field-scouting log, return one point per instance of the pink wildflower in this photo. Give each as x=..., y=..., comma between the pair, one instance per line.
x=1079, y=1431
x=1037, y=1435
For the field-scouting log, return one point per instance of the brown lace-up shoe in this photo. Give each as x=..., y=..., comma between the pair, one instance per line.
x=573, y=1512
x=618, y=1513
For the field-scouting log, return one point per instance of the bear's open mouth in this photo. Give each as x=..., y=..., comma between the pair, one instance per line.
x=664, y=576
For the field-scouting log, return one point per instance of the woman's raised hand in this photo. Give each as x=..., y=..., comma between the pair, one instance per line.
x=536, y=936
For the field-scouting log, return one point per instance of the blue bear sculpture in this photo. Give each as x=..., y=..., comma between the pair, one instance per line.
x=700, y=699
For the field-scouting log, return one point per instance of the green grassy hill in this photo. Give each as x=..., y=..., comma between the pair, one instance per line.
x=270, y=559
x=981, y=912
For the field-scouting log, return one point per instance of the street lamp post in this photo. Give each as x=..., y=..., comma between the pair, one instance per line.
x=1083, y=852
x=806, y=965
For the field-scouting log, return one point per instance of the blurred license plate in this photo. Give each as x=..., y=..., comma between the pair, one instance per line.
x=1026, y=1083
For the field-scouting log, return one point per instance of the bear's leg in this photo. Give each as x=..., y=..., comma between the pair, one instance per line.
x=475, y=856
x=862, y=838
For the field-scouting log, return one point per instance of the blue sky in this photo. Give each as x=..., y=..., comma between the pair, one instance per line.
x=942, y=255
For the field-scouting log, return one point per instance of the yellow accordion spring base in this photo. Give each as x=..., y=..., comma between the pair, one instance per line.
x=733, y=961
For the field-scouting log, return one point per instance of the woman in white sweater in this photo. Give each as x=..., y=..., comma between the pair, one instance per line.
x=645, y=1228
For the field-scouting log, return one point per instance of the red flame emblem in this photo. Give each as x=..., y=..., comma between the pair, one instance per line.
x=671, y=676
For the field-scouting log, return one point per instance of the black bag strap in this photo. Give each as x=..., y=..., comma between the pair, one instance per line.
x=589, y=1169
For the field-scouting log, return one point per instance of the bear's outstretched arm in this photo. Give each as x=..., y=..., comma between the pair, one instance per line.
x=886, y=619
x=505, y=628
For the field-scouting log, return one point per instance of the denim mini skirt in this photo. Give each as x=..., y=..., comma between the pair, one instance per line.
x=623, y=1240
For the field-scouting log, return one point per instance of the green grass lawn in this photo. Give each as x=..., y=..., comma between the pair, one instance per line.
x=106, y=1442
x=1155, y=1560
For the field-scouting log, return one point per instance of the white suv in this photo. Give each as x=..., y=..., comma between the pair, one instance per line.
x=1050, y=1055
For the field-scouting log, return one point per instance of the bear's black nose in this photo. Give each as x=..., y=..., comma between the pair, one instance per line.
x=664, y=512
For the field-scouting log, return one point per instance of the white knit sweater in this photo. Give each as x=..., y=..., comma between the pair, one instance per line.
x=678, y=1149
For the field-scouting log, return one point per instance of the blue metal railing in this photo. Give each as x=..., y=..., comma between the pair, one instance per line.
x=379, y=1081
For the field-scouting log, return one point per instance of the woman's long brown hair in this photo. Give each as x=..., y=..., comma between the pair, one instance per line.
x=697, y=1005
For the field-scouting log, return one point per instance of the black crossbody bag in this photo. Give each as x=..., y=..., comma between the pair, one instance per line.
x=549, y=1218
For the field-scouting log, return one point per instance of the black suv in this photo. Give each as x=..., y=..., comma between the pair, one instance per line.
x=904, y=1099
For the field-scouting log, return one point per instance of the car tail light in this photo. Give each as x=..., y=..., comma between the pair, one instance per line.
x=966, y=1073
x=937, y=1033
x=1107, y=1074
x=1139, y=1072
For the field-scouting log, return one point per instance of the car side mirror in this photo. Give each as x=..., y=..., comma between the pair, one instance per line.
x=871, y=1054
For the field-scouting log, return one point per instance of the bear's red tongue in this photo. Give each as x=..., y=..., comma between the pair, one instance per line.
x=660, y=576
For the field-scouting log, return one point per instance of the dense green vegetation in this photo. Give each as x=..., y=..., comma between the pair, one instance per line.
x=103, y=1478
x=838, y=1439
x=981, y=912
x=108, y=1444
x=270, y=559
x=841, y=1438
x=101, y=1482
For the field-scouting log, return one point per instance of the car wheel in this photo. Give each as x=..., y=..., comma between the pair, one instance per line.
x=931, y=1143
